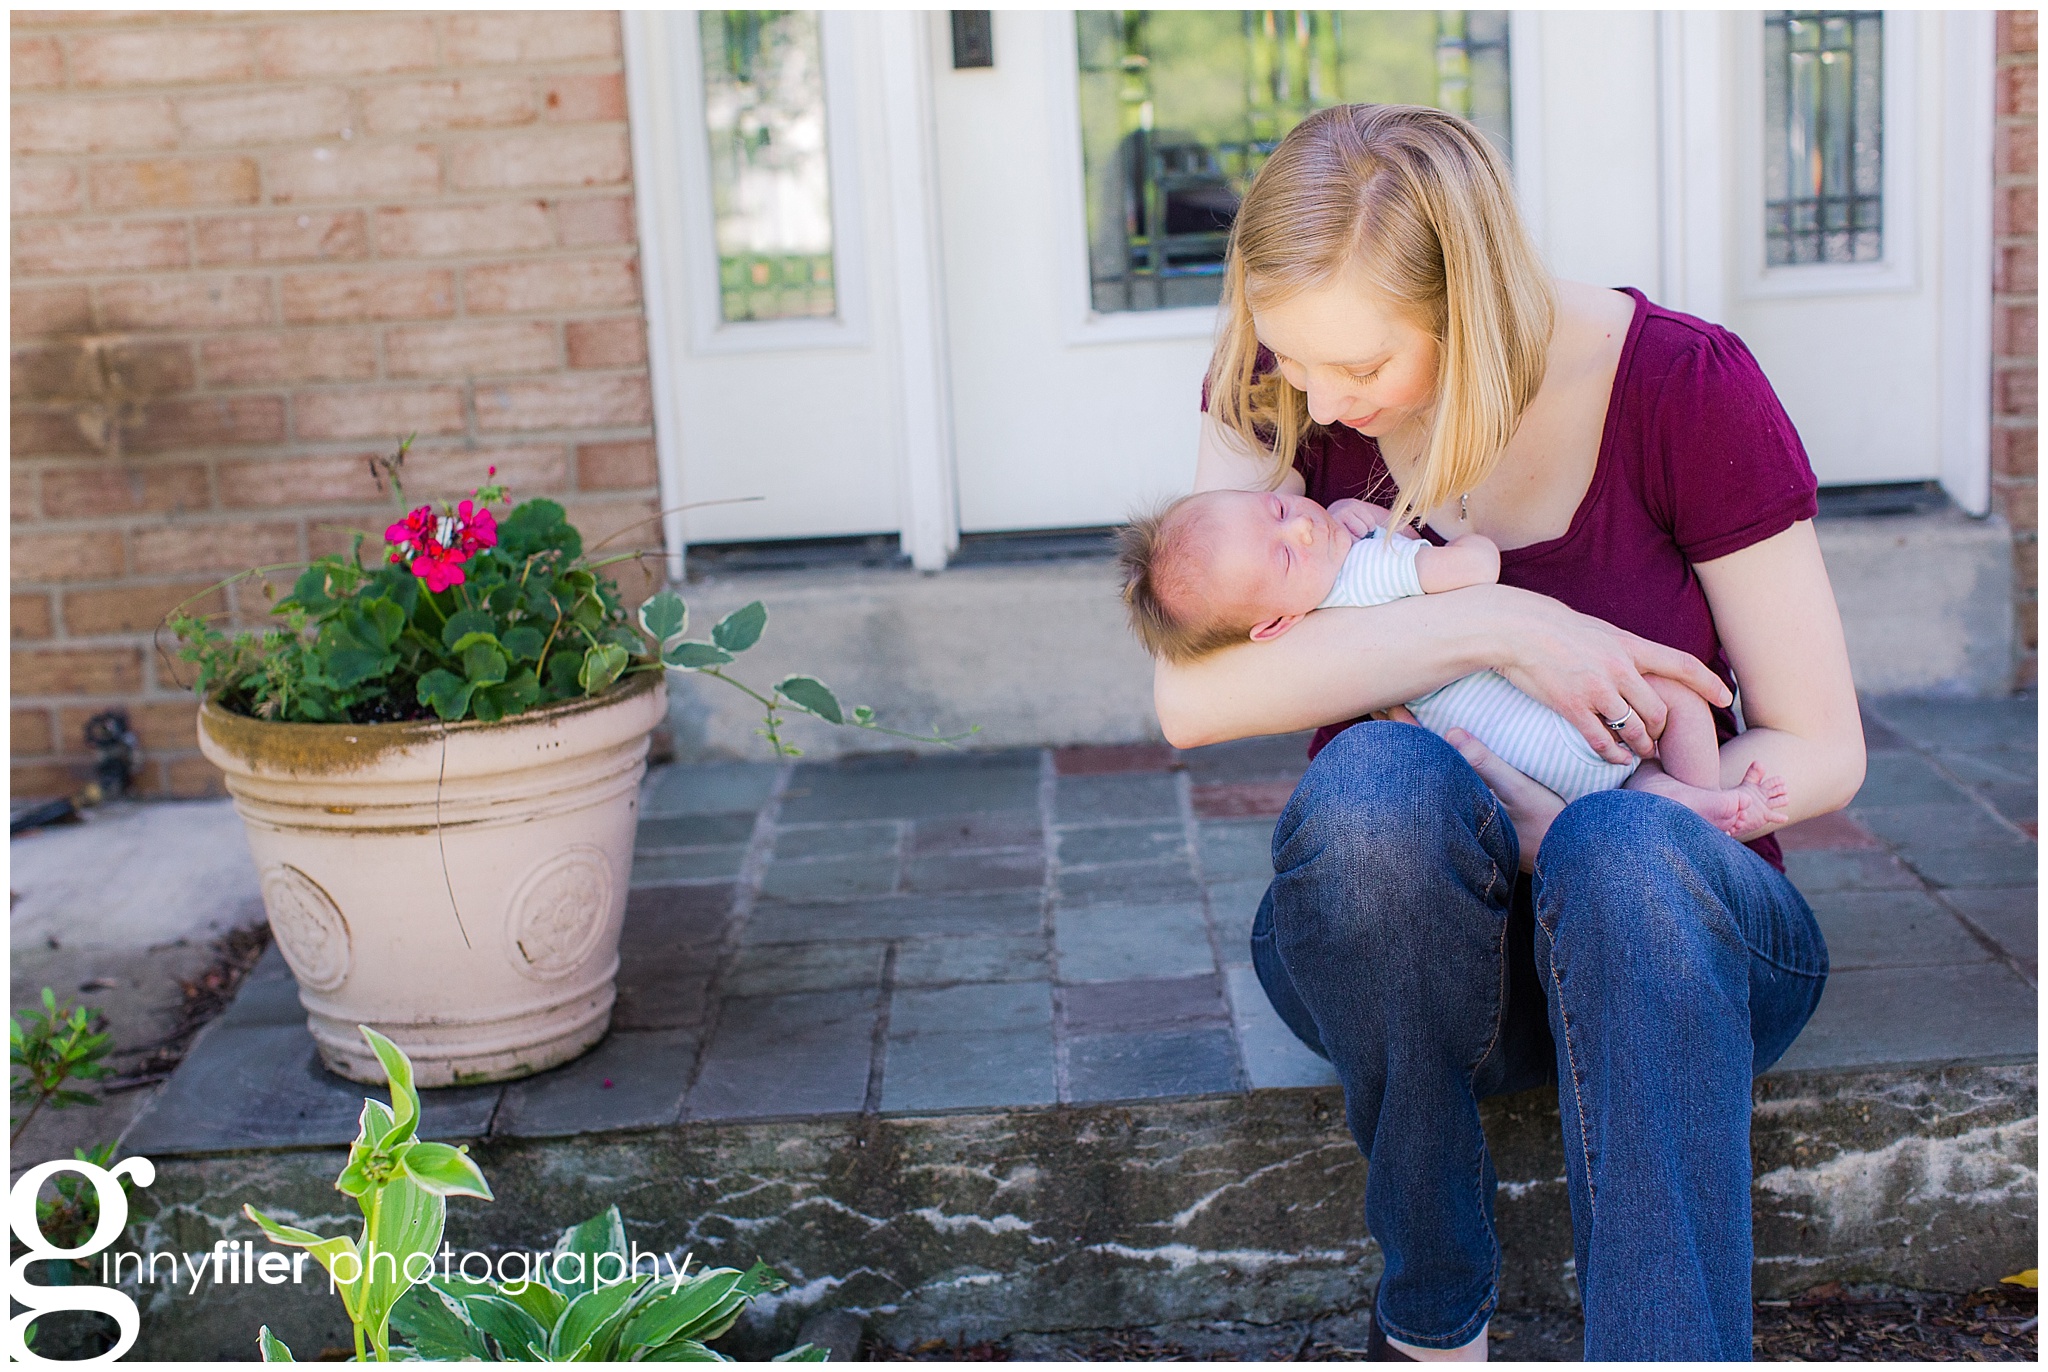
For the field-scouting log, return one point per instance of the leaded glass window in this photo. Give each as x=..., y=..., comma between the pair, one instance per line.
x=771, y=192
x=1823, y=136
x=1180, y=109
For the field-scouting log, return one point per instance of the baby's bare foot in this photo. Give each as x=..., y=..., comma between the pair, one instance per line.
x=1759, y=801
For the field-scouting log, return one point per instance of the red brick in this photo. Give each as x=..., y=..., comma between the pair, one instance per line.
x=2021, y=508
x=210, y=422
x=246, y=359
x=30, y=617
x=45, y=780
x=56, y=433
x=82, y=555
x=192, y=546
x=361, y=46
x=253, y=118
x=2013, y=390
x=1112, y=759
x=85, y=492
x=2016, y=272
x=337, y=297
x=385, y=412
x=620, y=526
x=531, y=36
x=308, y=236
x=185, y=302
x=618, y=342
x=75, y=671
x=325, y=479
x=474, y=102
x=137, y=607
x=174, y=181
x=161, y=725
x=595, y=222
x=190, y=777
x=2018, y=94
x=586, y=99
x=557, y=157
x=2017, y=31
x=551, y=285
x=163, y=57
x=22, y=505
x=76, y=247
x=2015, y=211
x=72, y=125
x=2014, y=329
x=350, y=171
x=1828, y=832
x=442, y=231
x=1242, y=799
x=29, y=733
x=436, y=473
x=38, y=313
x=450, y=350
x=2016, y=149
x=38, y=64
x=2013, y=449
x=45, y=188
x=570, y=402
x=73, y=370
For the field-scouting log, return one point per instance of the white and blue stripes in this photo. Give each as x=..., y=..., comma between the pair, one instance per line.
x=1531, y=738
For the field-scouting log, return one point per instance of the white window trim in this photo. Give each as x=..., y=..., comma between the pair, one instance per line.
x=690, y=223
x=1898, y=268
x=1969, y=51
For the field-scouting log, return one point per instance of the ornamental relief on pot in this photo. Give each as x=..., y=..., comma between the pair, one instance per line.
x=309, y=927
x=559, y=913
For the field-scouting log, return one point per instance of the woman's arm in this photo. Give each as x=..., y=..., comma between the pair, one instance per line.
x=1776, y=615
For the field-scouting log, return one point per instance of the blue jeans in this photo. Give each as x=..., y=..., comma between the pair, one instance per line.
x=1649, y=969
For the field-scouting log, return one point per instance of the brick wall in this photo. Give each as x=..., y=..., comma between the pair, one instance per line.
x=2015, y=363
x=251, y=251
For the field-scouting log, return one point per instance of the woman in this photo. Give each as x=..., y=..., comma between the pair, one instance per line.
x=1388, y=332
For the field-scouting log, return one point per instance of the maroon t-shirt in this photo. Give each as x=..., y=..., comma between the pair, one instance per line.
x=1697, y=460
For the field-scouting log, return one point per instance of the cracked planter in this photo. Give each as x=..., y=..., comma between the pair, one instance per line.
x=458, y=888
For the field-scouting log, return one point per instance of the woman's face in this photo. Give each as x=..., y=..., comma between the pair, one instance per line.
x=1360, y=361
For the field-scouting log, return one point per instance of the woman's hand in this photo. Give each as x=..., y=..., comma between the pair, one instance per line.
x=1591, y=672
x=1531, y=805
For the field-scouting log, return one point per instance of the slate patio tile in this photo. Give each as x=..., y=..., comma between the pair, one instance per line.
x=1087, y=845
x=1127, y=942
x=711, y=789
x=1829, y=831
x=840, y=878
x=629, y=1081
x=2013, y=799
x=664, y=990
x=268, y=996
x=960, y=1071
x=767, y=969
x=777, y=1056
x=1274, y=757
x=1817, y=872
x=1000, y=870
x=906, y=917
x=697, y=864
x=2009, y=914
x=1100, y=759
x=1961, y=825
x=669, y=915
x=1905, y=779
x=1123, y=1007
x=1892, y=929
x=1984, y=767
x=998, y=1008
x=1184, y=1062
x=880, y=839
x=2003, y=866
x=1237, y=849
x=1957, y=1014
x=977, y=829
x=262, y=1086
x=894, y=787
x=943, y=961
x=1942, y=722
x=1079, y=800
x=1150, y=882
x=1233, y=905
x=693, y=831
x=1273, y=1057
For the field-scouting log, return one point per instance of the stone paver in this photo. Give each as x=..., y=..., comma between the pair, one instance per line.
x=1027, y=927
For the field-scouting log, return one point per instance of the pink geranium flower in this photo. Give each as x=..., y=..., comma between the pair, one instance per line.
x=435, y=546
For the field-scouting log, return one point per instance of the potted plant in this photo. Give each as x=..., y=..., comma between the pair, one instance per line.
x=437, y=756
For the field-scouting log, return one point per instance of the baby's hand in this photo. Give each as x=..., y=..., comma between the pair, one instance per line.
x=1359, y=517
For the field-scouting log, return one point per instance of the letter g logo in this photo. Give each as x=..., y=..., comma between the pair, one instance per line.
x=21, y=1217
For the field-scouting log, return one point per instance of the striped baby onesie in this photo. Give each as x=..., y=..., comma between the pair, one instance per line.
x=1532, y=738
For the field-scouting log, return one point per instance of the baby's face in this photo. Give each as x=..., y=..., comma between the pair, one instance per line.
x=1268, y=553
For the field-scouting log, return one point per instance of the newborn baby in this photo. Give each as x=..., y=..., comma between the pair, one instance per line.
x=1222, y=566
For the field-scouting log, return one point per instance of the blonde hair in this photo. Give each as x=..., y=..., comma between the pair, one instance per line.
x=1158, y=557
x=1421, y=202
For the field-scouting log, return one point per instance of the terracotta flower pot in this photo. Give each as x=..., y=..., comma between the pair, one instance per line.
x=458, y=888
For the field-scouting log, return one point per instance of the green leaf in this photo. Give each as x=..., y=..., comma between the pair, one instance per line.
x=405, y=1098
x=446, y=692
x=484, y=665
x=562, y=671
x=537, y=525
x=692, y=655
x=804, y=1352
x=664, y=616
x=519, y=1335
x=523, y=643
x=601, y=667
x=684, y=1311
x=484, y=708
x=408, y=1222
x=351, y=666
x=683, y=1350
x=385, y=618
x=445, y=1171
x=538, y=1299
x=438, y=1328
x=583, y=1325
x=470, y=640
x=325, y=1251
x=466, y=622
x=812, y=696
x=271, y=1346
x=604, y=1232
x=741, y=629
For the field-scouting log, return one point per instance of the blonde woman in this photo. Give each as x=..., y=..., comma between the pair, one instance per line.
x=1439, y=926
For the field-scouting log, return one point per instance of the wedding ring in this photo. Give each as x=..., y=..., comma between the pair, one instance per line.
x=1617, y=725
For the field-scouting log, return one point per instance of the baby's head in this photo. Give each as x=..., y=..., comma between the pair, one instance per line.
x=1220, y=567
